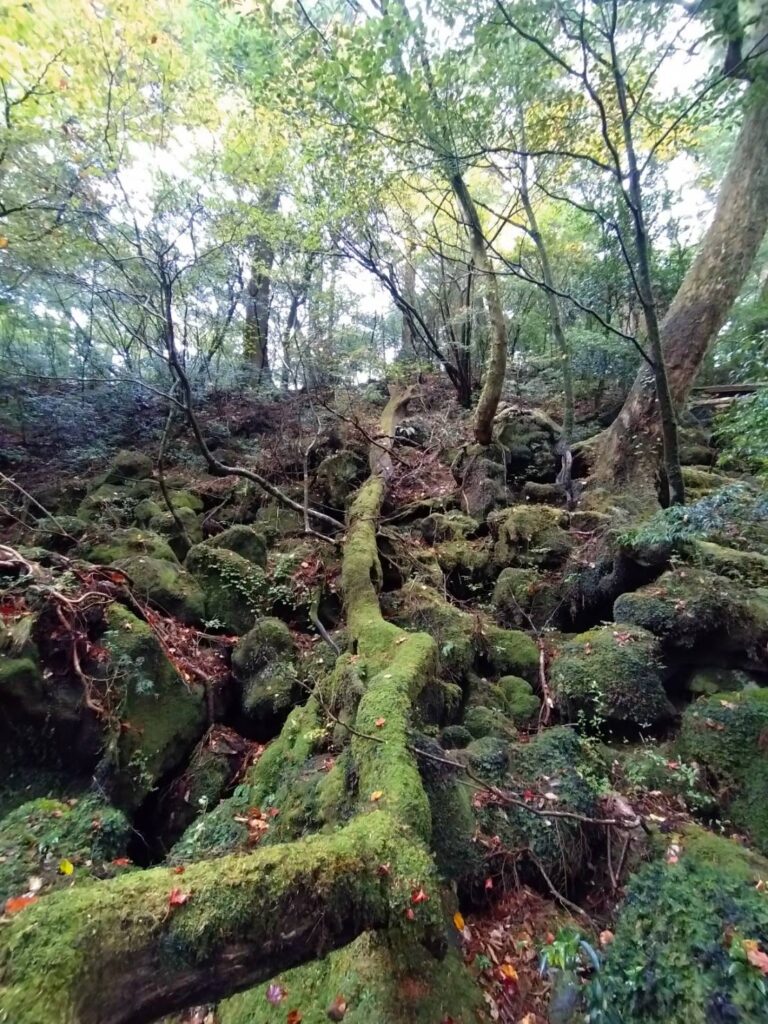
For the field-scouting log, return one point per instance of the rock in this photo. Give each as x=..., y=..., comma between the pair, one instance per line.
x=107, y=548
x=38, y=836
x=704, y=682
x=165, y=524
x=520, y=703
x=165, y=585
x=481, y=721
x=21, y=686
x=447, y=526
x=274, y=520
x=145, y=511
x=60, y=534
x=455, y=737
x=727, y=734
x=109, y=503
x=522, y=597
x=678, y=950
x=263, y=665
x=528, y=437
x=482, y=475
x=235, y=589
x=543, y=494
x=610, y=673
x=700, y=481
x=464, y=562
x=530, y=536
x=508, y=652
x=748, y=567
x=165, y=715
x=337, y=478
x=412, y=431
x=244, y=541
x=129, y=465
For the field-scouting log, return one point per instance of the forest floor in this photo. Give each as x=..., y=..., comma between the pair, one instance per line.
x=600, y=681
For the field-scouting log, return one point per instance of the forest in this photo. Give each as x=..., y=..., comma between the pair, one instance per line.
x=384, y=511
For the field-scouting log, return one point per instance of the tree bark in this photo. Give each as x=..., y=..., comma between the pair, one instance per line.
x=258, y=295
x=632, y=446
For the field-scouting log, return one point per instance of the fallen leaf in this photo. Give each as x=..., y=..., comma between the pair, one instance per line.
x=508, y=974
x=758, y=959
x=383, y=870
x=3, y=242
x=380, y=723
x=122, y=862
x=275, y=994
x=606, y=937
x=458, y=921
x=17, y=903
x=419, y=896
x=179, y=869
x=178, y=898
x=377, y=795
x=489, y=883
x=337, y=1009
x=410, y=914
x=66, y=867
x=294, y=1017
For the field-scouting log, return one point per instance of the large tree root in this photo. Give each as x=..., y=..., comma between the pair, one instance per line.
x=125, y=951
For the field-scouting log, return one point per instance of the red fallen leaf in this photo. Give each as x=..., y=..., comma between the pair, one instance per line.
x=489, y=883
x=337, y=1009
x=17, y=903
x=178, y=898
x=294, y=1017
x=528, y=795
x=410, y=914
x=179, y=869
x=383, y=870
x=758, y=959
x=419, y=896
x=122, y=862
x=380, y=723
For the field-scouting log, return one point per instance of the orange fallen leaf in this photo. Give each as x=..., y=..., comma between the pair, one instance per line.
x=758, y=959
x=377, y=795
x=122, y=862
x=380, y=723
x=17, y=903
x=337, y=1009
x=179, y=869
x=294, y=1017
x=178, y=898
x=458, y=921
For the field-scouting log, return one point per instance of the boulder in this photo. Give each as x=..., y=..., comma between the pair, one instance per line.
x=161, y=715
x=106, y=548
x=338, y=477
x=165, y=585
x=129, y=465
x=530, y=536
x=263, y=665
x=610, y=673
x=522, y=597
x=235, y=589
x=60, y=534
x=481, y=473
x=180, y=541
x=244, y=541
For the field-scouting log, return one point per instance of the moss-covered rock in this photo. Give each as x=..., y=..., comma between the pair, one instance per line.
x=480, y=721
x=37, y=837
x=128, y=465
x=235, y=590
x=520, y=703
x=59, y=534
x=464, y=562
x=244, y=541
x=263, y=665
x=337, y=477
x=610, y=673
x=274, y=520
x=106, y=549
x=530, y=536
x=524, y=596
x=166, y=586
x=727, y=734
x=704, y=682
x=481, y=473
x=508, y=652
x=145, y=511
x=161, y=715
x=455, y=737
x=109, y=503
x=679, y=953
x=447, y=526
x=701, y=481
x=748, y=567
x=180, y=538
x=21, y=685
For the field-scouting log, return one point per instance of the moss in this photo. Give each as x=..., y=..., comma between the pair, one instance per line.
x=114, y=503
x=489, y=757
x=480, y=721
x=455, y=737
x=145, y=511
x=520, y=703
x=262, y=662
x=417, y=606
x=60, y=534
x=38, y=835
x=244, y=541
x=677, y=955
x=749, y=567
x=118, y=544
x=165, y=585
x=530, y=536
x=21, y=684
x=700, y=481
x=274, y=520
x=727, y=735
x=509, y=652
x=186, y=499
x=683, y=607
x=704, y=682
x=235, y=589
x=611, y=672
x=447, y=526
x=179, y=540
x=469, y=561
x=161, y=716
x=47, y=951
x=337, y=477
x=380, y=981
x=522, y=597
x=129, y=465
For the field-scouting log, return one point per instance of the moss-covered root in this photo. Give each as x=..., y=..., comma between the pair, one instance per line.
x=134, y=948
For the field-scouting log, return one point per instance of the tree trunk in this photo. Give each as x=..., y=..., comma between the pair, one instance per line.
x=632, y=446
x=258, y=294
x=496, y=364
